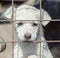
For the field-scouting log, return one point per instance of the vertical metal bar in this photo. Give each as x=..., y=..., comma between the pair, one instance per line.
x=41, y=28
x=12, y=9
x=0, y=7
x=0, y=46
x=12, y=18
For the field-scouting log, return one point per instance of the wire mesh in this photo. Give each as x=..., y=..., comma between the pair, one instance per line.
x=41, y=29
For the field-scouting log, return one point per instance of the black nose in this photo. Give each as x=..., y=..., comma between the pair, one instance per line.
x=27, y=36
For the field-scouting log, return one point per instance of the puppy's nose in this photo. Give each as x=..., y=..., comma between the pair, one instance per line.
x=27, y=36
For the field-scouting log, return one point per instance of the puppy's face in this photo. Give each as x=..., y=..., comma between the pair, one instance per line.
x=27, y=31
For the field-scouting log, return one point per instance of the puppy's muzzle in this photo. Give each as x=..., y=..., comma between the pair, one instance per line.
x=27, y=36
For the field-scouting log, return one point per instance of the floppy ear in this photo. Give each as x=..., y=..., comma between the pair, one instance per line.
x=46, y=17
x=8, y=13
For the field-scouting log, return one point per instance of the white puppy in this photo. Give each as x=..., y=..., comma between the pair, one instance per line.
x=28, y=31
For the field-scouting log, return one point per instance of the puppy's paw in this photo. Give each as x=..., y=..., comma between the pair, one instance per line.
x=2, y=45
x=32, y=56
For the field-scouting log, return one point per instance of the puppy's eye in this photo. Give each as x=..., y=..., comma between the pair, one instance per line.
x=19, y=24
x=35, y=24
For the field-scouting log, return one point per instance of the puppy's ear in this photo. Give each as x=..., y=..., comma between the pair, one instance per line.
x=45, y=17
x=8, y=13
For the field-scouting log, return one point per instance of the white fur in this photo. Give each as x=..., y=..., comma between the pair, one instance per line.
x=29, y=49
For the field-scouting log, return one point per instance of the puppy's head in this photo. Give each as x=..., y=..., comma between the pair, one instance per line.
x=28, y=24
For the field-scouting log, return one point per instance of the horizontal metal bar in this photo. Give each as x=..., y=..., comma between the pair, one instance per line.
x=31, y=20
x=14, y=0
x=37, y=41
x=48, y=41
